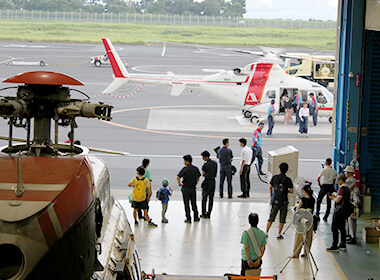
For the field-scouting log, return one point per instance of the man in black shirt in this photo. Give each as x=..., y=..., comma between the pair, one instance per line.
x=190, y=175
x=280, y=186
x=225, y=157
x=209, y=170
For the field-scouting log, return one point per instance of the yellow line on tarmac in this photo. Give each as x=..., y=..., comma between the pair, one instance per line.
x=336, y=265
x=196, y=135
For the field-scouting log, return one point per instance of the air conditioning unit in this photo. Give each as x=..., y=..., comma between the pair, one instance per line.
x=287, y=154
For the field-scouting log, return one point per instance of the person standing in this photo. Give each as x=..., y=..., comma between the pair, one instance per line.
x=190, y=177
x=254, y=242
x=280, y=186
x=304, y=114
x=145, y=165
x=245, y=168
x=355, y=200
x=257, y=142
x=288, y=109
x=271, y=120
x=209, y=171
x=307, y=202
x=326, y=180
x=163, y=194
x=225, y=156
x=314, y=108
x=298, y=104
x=140, y=195
x=339, y=220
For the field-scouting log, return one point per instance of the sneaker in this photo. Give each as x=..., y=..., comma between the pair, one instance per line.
x=352, y=241
x=333, y=248
x=342, y=247
x=196, y=219
x=280, y=237
x=204, y=216
x=241, y=196
x=150, y=223
x=165, y=221
x=188, y=221
x=136, y=223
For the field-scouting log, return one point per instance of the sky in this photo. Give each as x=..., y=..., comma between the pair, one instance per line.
x=265, y=10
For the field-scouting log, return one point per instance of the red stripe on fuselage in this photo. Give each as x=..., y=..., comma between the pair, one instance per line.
x=115, y=67
x=257, y=83
x=47, y=228
x=325, y=108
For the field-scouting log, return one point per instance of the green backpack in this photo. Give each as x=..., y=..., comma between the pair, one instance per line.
x=139, y=190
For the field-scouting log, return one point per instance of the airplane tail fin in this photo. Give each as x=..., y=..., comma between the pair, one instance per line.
x=121, y=74
x=116, y=63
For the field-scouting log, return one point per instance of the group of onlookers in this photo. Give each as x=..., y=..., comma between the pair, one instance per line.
x=254, y=239
x=300, y=108
x=346, y=199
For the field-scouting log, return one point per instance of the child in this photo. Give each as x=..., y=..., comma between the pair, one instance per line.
x=164, y=194
x=139, y=195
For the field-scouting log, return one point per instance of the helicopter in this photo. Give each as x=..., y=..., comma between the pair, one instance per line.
x=58, y=219
x=251, y=87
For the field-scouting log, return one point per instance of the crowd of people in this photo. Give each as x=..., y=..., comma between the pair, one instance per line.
x=346, y=197
x=302, y=109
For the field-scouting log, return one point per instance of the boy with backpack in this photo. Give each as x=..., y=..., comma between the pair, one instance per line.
x=139, y=195
x=163, y=195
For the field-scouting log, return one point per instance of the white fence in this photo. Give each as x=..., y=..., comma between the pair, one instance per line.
x=165, y=19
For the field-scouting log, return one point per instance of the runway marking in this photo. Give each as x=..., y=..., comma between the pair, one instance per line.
x=191, y=134
x=335, y=263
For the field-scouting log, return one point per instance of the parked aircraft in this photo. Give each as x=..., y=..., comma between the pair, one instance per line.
x=251, y=88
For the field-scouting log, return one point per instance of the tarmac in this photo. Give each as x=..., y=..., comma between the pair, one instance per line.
x=152, y=124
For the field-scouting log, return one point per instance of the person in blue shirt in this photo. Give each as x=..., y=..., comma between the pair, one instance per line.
x=257, y=142
x=314, y=108
x=271, y=112
x=166, y=193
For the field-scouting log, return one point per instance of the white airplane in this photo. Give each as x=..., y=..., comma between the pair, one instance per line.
x=251, y=88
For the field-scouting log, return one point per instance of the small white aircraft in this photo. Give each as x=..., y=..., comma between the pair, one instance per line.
x=251, y=88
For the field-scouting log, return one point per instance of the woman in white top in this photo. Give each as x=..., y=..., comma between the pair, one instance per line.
x=304, y=114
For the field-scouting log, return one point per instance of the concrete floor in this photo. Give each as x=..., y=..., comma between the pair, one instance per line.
x=212, y=247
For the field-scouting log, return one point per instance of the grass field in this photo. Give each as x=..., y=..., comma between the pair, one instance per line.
x=56, y=31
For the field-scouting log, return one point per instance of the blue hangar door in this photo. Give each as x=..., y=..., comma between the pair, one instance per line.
x=370, y=123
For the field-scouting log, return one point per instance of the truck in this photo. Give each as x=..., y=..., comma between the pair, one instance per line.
x=317, y=68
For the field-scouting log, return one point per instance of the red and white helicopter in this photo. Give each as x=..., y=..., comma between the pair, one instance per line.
x=251, y=88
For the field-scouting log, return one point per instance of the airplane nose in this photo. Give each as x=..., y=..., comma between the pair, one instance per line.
x=11, y=261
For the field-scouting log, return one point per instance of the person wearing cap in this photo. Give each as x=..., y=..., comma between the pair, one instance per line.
x=257, y=142
x=355, y=200
x=190, y=177
x=271, y=113
x=209, y=171
x=314, y=108
x=165, y=192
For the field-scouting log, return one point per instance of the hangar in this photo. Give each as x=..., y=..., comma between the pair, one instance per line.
x=357, y=106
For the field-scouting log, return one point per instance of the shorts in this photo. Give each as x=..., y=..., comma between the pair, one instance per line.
x=140, y=204
x=283, y=212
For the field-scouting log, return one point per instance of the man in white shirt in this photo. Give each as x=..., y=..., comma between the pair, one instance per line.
x=326, y=180
x=245, y=168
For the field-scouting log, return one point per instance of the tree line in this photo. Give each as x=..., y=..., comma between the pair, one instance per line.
x=180, y=7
